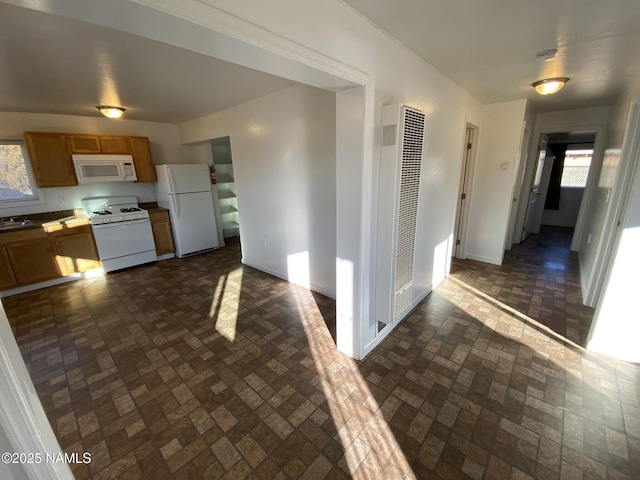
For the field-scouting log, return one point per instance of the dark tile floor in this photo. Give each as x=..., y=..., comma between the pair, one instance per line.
x=539, y=278
x=203, y=368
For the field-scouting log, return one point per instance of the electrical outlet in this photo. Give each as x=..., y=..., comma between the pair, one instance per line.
x=64, y=200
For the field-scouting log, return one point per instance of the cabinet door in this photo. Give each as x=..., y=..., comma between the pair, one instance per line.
x=32, y=260
x=76, y=250
x=114, y=144
x=162, y=234
x=7, y=278
x=51, y=159
x=141, y=150
x=84, y=143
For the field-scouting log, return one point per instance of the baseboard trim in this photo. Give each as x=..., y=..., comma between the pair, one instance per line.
x=313, y=287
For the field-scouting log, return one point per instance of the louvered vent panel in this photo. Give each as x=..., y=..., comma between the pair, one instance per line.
x=401, y=302
x=413, y=137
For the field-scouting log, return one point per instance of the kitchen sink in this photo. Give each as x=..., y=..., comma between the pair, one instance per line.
x=12, y=224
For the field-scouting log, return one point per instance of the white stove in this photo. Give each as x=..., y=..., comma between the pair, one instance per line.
x=122, y=231
x=112, y=214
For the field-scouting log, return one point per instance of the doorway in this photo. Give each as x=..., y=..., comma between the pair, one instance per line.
x=462, y=207
x=533, y=201
x=226, y=188
x=559, y=185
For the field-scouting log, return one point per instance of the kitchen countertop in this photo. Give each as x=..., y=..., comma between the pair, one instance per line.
x=46, y=220
x=52, y=221
x=152, y=207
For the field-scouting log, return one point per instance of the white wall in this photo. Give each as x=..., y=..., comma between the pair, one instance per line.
x=163, y=137
x=615, y=330
x=493, y=186
x=567, y=213
x=284, y=158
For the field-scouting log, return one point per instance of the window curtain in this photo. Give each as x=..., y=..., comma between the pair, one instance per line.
x=553, y=192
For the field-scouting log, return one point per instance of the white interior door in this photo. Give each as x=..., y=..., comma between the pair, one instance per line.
x=534, y=193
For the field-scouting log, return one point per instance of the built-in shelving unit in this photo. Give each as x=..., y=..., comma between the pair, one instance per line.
x=225, y=194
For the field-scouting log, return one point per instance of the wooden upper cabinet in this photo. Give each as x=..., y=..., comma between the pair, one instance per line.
x=89, y=143
x=141, y=151
x=114, y=144
x=84, y=143
x=50, y=157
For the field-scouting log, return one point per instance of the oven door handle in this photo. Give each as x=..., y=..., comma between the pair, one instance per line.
x=118, y=224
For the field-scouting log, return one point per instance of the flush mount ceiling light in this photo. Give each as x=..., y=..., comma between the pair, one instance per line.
x=111, y=112
x=549, y=86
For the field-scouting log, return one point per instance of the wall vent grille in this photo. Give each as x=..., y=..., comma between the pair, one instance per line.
x=413, y=138
x=398, y=199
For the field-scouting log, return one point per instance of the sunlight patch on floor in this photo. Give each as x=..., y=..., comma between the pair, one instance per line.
x=370, y=446
x=226, y=298
x=530, y=333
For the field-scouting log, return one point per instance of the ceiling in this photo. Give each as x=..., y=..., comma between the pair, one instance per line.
x=489, y=47
x=45, y=68
x=491, y=53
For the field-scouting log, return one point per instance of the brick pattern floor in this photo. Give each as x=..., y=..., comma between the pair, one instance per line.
x=203, y=368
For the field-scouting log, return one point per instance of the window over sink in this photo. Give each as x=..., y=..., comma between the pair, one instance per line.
x=17, y=182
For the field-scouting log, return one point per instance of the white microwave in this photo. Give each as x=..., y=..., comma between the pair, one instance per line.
x=104, y=168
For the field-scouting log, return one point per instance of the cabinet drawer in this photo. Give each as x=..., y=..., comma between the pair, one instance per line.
x=22, y=235
x=159, y=216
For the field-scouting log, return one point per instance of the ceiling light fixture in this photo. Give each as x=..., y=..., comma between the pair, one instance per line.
x=549, y=86
x=111, y=112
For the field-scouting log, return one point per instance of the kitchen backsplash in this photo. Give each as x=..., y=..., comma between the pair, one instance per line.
x=68, y=198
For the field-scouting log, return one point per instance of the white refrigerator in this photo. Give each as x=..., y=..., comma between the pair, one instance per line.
x=185, y=191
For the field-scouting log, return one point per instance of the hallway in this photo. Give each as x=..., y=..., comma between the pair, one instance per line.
x=540, y=279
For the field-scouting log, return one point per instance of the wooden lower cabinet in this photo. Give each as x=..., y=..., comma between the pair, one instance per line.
x=35, y=255
x=162, y=233
x=7, y=278
x=75, y=250
x=32, y=260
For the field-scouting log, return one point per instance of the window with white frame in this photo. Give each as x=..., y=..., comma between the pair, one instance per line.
x=17, y=182
x=576, y=168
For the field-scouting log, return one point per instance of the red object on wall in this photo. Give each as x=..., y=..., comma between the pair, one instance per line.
x=212, y=172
